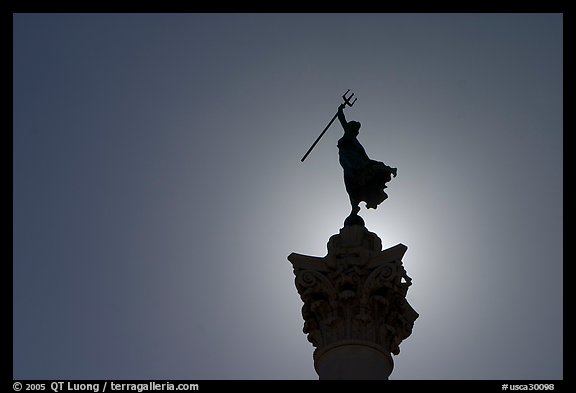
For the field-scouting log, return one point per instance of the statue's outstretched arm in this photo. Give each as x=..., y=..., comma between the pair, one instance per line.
x=341, y=116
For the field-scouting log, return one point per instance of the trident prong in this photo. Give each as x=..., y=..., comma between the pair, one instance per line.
x=346, y=102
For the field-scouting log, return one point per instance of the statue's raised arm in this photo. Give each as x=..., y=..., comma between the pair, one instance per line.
x=341, y=116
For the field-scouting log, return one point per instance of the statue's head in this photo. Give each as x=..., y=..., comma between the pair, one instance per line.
x=354, y=126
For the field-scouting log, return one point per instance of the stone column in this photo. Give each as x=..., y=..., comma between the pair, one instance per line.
x=355, y=310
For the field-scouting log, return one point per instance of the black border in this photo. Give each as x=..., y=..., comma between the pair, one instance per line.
x=9, y=7
x=437, y=6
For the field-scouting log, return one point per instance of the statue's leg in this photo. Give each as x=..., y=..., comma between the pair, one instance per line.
x=355, y=205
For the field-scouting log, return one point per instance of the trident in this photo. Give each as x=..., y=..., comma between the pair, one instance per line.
x=346, y=102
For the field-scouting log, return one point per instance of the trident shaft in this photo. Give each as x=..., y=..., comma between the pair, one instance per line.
x=346, y=102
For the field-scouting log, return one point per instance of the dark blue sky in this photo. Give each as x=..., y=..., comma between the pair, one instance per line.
x=158, y=188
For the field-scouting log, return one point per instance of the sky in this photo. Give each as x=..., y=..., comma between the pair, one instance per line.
x=158, y=188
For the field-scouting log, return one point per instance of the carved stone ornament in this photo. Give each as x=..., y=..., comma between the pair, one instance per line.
x=355, y=295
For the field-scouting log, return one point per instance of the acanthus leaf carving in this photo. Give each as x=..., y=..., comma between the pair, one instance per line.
x=356, y=292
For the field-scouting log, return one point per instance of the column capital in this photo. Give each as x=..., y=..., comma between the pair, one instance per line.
x=355, y=296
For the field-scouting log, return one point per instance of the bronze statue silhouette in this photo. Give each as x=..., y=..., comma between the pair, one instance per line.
x=365, y=179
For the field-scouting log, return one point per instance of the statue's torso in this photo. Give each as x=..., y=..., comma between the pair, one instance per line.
x=352, y=155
